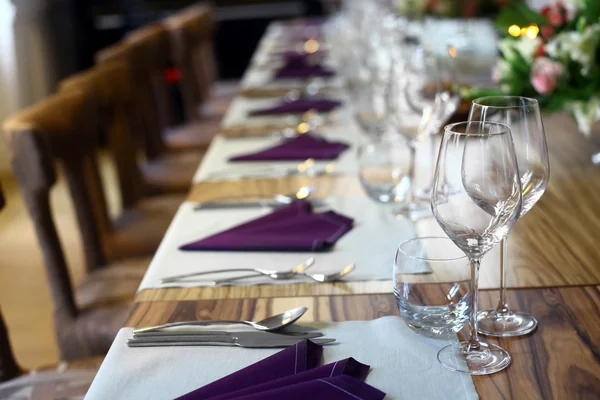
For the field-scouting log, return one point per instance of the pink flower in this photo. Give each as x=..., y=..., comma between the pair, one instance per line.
x=545, y=75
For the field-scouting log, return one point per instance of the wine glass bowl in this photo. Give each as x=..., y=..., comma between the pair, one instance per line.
x=383, y=170
x=477, y=160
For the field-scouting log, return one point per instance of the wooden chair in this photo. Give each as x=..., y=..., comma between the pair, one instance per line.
x=60, y=128
x=172, y=172
x=110, y=86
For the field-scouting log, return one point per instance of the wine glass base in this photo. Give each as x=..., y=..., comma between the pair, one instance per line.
x=515, y=323
x=488, y=359
x=414, y=211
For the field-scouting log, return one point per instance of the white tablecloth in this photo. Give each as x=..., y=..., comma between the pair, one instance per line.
x=403, y=364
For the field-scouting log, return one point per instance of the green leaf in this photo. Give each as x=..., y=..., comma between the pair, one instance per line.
x=591, y=10
x=518, y=14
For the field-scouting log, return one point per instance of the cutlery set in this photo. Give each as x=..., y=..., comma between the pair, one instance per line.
x=299, y=271
x=272, y=332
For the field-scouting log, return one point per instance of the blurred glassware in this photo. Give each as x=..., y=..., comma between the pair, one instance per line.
x=383, y=169
x=432, y=308
x=413, y=100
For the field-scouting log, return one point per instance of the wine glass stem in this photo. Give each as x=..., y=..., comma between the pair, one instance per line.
x=502, y=308
x=474, y=340
x=410, y=195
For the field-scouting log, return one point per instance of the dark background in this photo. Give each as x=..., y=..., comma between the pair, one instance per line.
x=241, y=23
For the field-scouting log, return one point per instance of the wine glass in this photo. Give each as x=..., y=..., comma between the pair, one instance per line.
x=448, y=101
x=523, y=117
x=412, y=102
x=383, y=169
x=478, y=161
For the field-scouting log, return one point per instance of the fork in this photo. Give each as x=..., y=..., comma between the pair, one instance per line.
x=315, y=277
x=298, y=269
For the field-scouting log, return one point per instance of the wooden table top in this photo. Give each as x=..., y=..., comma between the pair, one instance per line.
x=560, y=360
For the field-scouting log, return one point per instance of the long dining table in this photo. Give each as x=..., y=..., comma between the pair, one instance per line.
x=554, y=259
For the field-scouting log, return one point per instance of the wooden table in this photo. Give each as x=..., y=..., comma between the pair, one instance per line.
x=554, y=261
x=560, y=360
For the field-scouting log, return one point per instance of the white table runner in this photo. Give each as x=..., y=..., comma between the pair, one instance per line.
x=371, y=245
x=403, y=364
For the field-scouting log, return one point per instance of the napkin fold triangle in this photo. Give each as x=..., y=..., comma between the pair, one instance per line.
x=297, y=149
x=299, y=106
x=293, y=374
x=290, y=228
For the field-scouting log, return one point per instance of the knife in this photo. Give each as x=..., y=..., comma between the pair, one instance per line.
x=185, y=334
x=216, y=205
x=238, y=340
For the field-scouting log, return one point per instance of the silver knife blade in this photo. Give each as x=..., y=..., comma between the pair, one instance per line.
x=194, y=333
x=286, y=342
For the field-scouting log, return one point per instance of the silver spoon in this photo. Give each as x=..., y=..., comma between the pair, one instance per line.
x=303, y=192
x=298, y=269
x=272, y=323
x=315, y=277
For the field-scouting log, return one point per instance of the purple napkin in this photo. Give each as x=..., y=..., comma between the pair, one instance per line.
x=340, y=387
x=301, y=357
x=303, y=72
x=293, y=374
x=290, y=228
x=299, y=148
x=294, y=59
x=299, y=106
x=348, y=366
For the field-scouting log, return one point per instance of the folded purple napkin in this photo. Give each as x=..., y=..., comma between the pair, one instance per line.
x=299, y=106
x=294, y=59
x=290, y=228
x=293, y=374
x=295, y=359
x=302, y=72
x=299, y=148
x=348, y=366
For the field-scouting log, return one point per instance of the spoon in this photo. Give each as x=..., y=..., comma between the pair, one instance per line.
x=269, y=324
x=315, y=277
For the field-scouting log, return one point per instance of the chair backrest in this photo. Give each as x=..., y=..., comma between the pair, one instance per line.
x=204, y=24
x=60, y=127
x=192, y=32
x=145, y=111
x=8, y=365
x=109, y=84
x=153, y=40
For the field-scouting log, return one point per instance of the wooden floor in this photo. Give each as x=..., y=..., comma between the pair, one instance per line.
x=24, y=293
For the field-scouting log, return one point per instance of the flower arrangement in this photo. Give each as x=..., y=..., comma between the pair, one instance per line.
x=452, y=8
x=554, y=56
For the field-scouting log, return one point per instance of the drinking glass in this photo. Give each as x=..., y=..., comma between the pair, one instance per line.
x=423, y=306
x=411, y=103
x=383, y=169
x=523, y=117
x=479, y=163
x=447, y=101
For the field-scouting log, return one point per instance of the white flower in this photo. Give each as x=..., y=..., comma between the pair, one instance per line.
x=523, y=45
x=575, y=46
x=586, y=114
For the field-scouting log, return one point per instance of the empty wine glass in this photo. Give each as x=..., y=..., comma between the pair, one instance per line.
x=523, y=117
x=478, y=161
x=383, y=169
x=412, y=101
x=447, y=102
